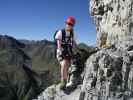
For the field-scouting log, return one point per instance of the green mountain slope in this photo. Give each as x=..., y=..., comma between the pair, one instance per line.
x=18, y=81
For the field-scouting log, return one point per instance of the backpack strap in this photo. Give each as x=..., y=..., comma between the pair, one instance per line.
x=63, y=35
x=55, y=35
x=72, y=34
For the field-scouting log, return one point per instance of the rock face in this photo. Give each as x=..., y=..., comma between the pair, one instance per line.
x=54, y=93
x=108, y=74
x=114, y=20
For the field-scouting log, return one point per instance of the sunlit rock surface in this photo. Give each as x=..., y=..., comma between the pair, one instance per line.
x=114, y=20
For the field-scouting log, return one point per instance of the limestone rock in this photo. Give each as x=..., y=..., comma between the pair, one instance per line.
x=109, y=74
x=114, y=20
x=54, y=93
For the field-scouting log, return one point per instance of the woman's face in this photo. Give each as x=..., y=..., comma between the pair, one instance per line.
x=69, y=27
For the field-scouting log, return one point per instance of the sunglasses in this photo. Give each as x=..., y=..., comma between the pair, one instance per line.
x=70, y=24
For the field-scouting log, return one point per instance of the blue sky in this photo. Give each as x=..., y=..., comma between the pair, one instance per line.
x=38, y=19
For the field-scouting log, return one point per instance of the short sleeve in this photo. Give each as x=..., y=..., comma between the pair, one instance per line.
x=58, y=35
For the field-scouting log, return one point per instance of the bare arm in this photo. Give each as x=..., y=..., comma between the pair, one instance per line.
x=58, y=39
x=59, y=44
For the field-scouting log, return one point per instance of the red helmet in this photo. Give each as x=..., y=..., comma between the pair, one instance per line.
x=71, y=20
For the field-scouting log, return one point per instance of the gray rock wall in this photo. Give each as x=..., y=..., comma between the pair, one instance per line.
x=109, y=74
x=113, y=18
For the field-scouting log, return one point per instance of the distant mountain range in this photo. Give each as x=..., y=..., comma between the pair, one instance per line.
x=18, y=81
x=28, y=67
